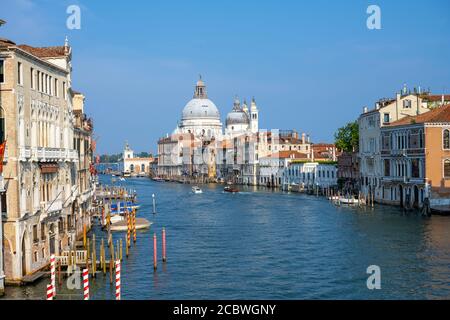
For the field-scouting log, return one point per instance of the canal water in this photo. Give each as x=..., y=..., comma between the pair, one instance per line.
x=261, y=244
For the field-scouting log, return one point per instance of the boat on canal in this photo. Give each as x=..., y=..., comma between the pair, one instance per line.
x=196, y=190
x=231, y=189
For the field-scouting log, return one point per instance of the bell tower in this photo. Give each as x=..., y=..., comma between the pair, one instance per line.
x=254, y=116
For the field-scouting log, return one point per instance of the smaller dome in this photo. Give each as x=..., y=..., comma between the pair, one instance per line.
x=237, y=117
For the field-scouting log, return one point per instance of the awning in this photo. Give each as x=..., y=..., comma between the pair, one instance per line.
x=49, y=167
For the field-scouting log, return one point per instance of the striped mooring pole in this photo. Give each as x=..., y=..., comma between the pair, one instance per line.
x=53, y=273
x=164, y=257
x=117, y=279
x=86, y=284
x=49, y=292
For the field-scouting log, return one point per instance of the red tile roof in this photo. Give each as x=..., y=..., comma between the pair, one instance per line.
x=436, y=97
x=441, y=114
x=44, y=52
x=288, y=154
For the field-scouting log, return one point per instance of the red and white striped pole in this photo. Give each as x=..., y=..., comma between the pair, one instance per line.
x=53, y=273
x=117, y=279
x=86, y=284
x=155, y=248
x=164, y=258
x=49, y=292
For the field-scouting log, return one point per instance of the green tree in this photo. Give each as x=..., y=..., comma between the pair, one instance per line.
x=347, y=137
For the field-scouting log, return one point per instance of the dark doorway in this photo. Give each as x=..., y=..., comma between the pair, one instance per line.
x=416, y=197
x=24, y=255
x=401, y=196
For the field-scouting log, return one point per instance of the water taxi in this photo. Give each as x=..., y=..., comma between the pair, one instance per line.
x=196, y=189
x=230, y=189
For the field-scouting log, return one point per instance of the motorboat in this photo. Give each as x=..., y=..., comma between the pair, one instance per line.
x=196, y=189
x=230, y=189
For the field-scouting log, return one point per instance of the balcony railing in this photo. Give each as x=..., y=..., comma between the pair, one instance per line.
x=54, y=206
x=47, y=154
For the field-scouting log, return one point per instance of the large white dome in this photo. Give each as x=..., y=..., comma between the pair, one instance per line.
x=200, y=109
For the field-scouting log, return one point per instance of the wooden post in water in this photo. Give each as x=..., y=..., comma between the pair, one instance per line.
x=92, y=265
x=94, y=256
x=111, y=261
x=84, y=235
x=121, y=250
x=126, y=246
x=164, y=258
x=59, y=273
x=155, y=261
x=88, y=248
x=154, y=203
x=373, y=199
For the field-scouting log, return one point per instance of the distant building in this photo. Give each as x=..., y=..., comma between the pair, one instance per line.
x=311, y=174
x=273, y=166
x=415, y=154
x=133, y=166
x=202, y=149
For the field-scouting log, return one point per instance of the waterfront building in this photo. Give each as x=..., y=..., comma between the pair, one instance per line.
x=309, y=175
x=415, y=154
x=2, y=273
x=84, y=144
x=272, y=167
x=348, y=171
x=370, y=123
x=135, y=166
x=41, y=204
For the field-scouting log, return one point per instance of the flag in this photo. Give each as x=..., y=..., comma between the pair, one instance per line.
x=2, y=155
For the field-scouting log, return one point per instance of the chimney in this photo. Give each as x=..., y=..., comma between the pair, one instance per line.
x=365, y=110
x=377, y=106
x=303, y=138
x=443, y=99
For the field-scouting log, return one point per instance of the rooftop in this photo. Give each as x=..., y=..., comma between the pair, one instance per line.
x=44, y=52
x=440, y=114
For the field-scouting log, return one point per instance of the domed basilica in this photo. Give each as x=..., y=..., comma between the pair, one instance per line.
x=201, y=117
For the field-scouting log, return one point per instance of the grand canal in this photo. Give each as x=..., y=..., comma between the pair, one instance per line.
x=260, y=244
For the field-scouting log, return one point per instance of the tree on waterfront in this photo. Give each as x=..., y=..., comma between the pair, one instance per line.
x=347, y=137
x=110, y=158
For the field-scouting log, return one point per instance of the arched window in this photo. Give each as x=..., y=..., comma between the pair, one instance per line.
x=446, y=142
x=142, y=167
x=132, y=167
x=447, y=168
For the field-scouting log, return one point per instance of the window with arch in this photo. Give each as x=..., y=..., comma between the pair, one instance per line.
x=132, y=167
x=447, y=168
x=446, y=139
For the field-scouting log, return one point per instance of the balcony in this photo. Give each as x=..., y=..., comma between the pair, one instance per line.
x=50, y=207
x=47, y=154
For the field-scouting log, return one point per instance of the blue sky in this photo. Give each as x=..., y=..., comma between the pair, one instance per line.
x=312, y=65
